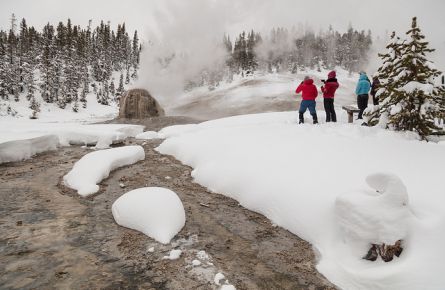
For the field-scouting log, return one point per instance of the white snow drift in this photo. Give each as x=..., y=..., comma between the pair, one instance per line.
x=21, y=139
x=293, y=175
x=95, y=166
x=154, y=211
x=376, y=217
x=24, y=146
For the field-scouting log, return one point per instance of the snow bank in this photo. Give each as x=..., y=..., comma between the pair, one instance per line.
x=154, y=211
x=101, y=135
x=24, y=146
x=293, y=174
x=147, y=135
x=95, y=166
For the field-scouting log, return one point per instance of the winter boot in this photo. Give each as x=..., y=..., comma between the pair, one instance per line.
x=372, y=253
x=301, y=116
x=314, y=117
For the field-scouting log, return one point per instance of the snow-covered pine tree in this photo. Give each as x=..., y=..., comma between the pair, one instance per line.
x=34, y=105
x=106, y=93
x=112, y=90
x=83, y=94
x=387, y=77
x=3, y=67
x=414, y=101
x=30, y=84
x=127, y=76
x=135, y=55
x=120, y=90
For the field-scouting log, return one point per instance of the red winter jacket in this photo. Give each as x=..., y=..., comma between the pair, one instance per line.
x=308, y=89
x=329, y=88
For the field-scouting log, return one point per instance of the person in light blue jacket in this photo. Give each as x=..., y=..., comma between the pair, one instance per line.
x=362, y=90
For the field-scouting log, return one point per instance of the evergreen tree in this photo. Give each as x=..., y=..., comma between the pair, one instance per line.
x=412, y=101
x=121, y=89
x=112, y=90
x=34, y=105
x=388, y=81
x=83, y=95
x=127, y=76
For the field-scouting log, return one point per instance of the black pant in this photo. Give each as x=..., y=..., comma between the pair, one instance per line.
x=330, y=111
x=375, y=100
x=362, y=103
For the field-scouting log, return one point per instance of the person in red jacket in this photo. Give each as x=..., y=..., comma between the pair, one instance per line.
x=328, y=90
x=308, y=93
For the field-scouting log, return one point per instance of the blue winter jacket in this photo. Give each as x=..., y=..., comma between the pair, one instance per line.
x=363, y=85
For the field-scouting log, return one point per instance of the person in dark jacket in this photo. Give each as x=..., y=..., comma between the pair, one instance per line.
x=328, y=90
x=362, y=90
x=375, y=86
x=308, y=93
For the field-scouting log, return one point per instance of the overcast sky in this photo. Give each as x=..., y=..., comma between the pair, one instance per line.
x=378, y=15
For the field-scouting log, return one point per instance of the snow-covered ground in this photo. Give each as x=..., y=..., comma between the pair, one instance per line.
x=257, y=94
x=21, y=137
x=293, y=175
x=94, y=112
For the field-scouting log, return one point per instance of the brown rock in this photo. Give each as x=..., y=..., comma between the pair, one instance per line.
x=139, y=104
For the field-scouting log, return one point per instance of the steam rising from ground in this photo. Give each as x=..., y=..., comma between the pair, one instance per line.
x=184, y=45
x=187, y=35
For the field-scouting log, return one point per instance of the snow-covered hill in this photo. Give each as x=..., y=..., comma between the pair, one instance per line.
x=257, y=94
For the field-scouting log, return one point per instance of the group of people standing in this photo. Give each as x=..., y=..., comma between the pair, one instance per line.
x=309, y=93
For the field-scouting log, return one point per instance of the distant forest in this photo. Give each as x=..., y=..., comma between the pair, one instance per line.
x=66, y=61
x=289, y=51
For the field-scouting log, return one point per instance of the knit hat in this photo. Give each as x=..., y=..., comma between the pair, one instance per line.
x=332, y=74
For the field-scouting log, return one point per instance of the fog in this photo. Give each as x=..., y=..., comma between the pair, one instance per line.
x=190, y=30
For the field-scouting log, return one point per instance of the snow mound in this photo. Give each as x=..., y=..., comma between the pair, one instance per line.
x=148, y=135
x=24, y=146
x=173, y=255
x=376, y=217
x=96, y=166
x=154, y=211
